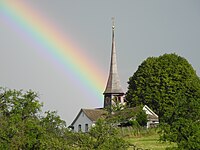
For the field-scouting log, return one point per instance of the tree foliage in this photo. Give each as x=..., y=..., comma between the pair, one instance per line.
x=141, y=118
x=23, y=125
x=158, y=80
x=183, y=120
x=169, y=85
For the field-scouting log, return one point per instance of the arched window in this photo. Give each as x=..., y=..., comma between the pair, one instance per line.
x=86, y=127
x=79, y=128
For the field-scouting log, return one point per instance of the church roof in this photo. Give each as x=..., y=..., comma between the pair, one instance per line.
x=113, y=84
x=92, y=114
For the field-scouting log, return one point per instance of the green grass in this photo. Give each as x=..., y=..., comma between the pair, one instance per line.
x=147, y=139
x=149, y=142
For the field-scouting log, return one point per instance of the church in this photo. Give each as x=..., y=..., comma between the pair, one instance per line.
x=86, y=118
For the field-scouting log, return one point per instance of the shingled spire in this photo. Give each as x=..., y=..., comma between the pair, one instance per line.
x=113, y=87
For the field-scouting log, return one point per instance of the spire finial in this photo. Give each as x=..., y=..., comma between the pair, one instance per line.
x=113, y=23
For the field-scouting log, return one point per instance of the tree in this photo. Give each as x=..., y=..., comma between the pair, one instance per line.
x=169, y=85
x=126, y=116
x=158, y=80
x=55, y=132
x=23, y=127
x=19, y=123
x=141, y=118
x=183, y=120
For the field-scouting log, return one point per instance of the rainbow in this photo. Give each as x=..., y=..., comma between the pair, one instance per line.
x=46, y=38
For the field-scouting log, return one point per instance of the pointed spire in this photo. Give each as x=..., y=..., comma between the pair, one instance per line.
x=113, y=84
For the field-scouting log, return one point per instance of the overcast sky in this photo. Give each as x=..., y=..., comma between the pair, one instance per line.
x=143, y=28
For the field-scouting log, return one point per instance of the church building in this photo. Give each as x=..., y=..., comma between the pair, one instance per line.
x=113, y=94
x=87, y=117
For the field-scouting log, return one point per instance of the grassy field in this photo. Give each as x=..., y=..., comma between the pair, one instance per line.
x=148, y=140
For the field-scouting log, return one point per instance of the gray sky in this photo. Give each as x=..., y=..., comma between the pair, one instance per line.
x=143, y=28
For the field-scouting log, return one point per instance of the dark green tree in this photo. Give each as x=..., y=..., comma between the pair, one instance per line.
x=158, y=80
x=182, y=124
x=141, y=118
x=169, y=85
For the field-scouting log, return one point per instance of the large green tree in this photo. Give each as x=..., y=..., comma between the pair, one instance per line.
x=169, y=85
x=158, y=80
x=182, y=121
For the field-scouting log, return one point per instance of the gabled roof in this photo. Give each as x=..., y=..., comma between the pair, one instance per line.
x=150, y=111
x=92, y=114
x=152, y=117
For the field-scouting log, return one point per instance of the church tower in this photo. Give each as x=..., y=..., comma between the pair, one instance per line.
x=113, y=89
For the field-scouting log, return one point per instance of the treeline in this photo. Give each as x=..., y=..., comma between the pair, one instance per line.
x=23, y=126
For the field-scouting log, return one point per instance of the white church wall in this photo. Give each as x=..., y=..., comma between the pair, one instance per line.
x=82, y=123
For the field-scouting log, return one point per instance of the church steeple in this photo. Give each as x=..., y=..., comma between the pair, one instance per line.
x=113, y=87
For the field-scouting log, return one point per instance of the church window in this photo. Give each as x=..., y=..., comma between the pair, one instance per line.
x=117, y=99
x=86, y=127
x=79, y=128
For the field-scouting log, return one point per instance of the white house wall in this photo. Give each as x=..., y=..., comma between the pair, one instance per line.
x=82, y=120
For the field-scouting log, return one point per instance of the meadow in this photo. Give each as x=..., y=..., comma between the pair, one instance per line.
x=145, y=139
